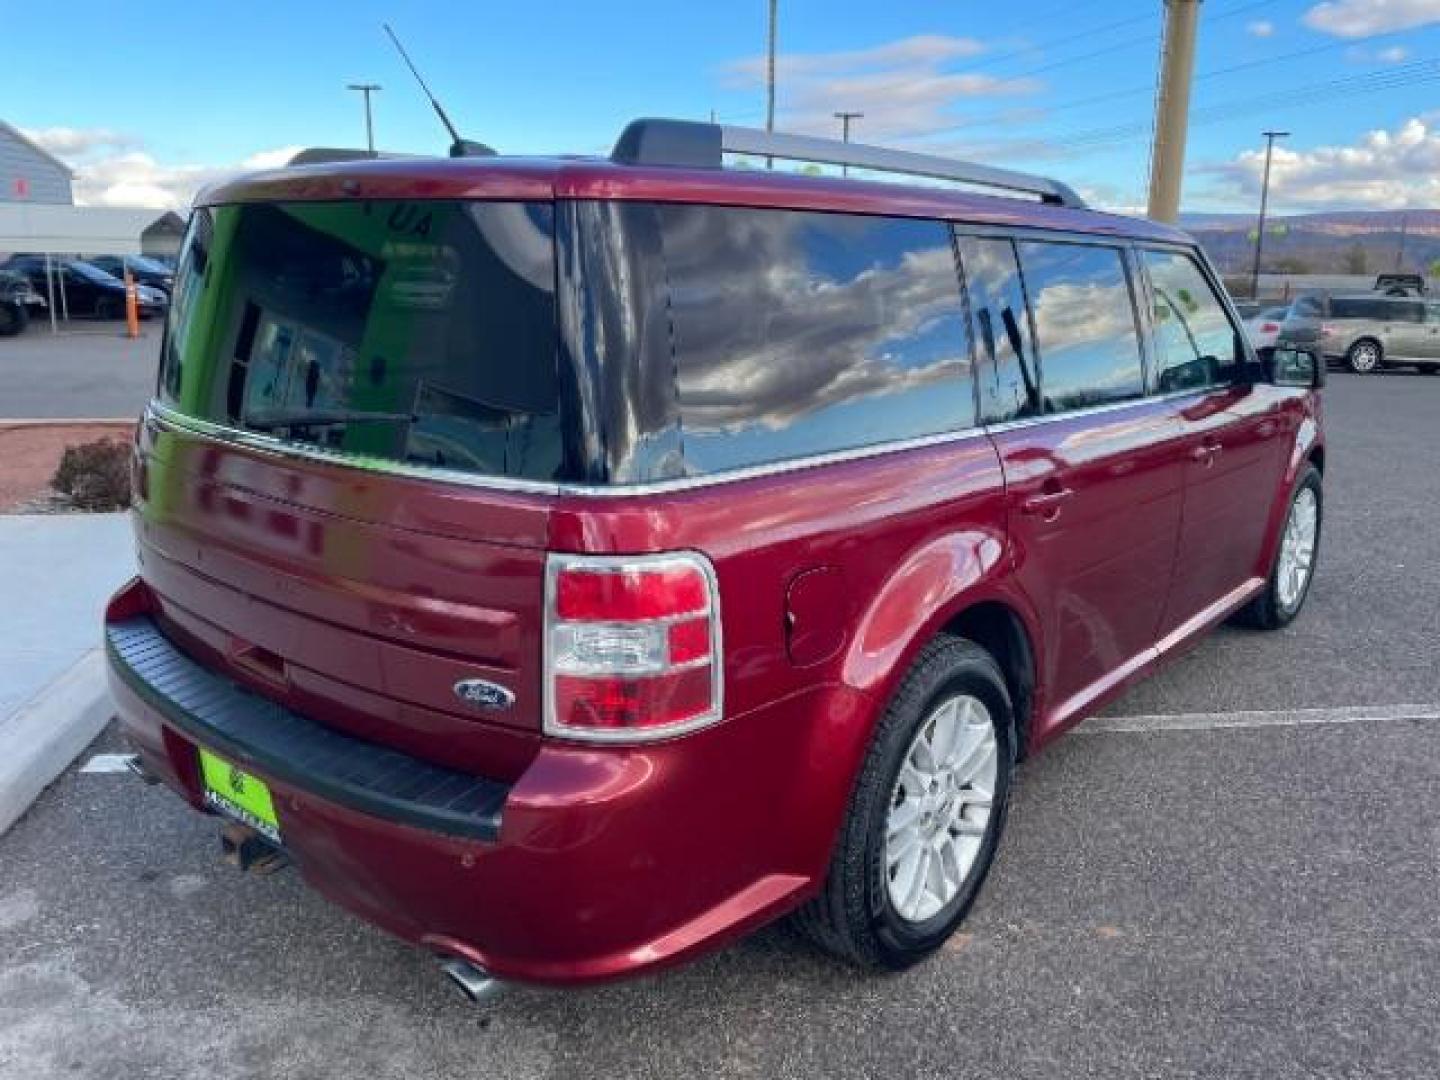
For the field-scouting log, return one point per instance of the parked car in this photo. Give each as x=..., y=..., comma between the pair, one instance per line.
x=86, y=289
x=144, y=270
x=696, y=546
x=19, y=303
x=1366, y=332
x=1400, y=284
x=1264, y=326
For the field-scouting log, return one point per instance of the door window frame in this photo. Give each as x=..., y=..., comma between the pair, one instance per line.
x=1131, y=267
x=1247, y=364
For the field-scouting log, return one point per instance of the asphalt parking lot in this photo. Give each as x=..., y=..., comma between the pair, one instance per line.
x=1248, y=891
x=89, y=370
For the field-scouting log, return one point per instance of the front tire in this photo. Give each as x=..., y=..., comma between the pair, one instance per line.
x=926, y=814
x=1294, y=567
x=1365, y=356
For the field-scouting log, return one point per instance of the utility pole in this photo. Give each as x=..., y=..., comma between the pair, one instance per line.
x=367, y=89
x=1172, y=108
x=1400, y=247
x=845, y=118
x=1270, y=137
x=770, y=77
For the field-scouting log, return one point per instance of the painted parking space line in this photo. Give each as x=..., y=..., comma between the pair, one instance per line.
x=1350, y=714
x=107, y=763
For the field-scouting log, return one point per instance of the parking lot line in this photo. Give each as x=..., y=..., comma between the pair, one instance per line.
x=1349, y=714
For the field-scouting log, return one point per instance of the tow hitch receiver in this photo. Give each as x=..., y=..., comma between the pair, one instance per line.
x=247, y=850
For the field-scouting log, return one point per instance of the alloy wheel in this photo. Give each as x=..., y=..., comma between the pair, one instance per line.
x=940, y=807
x=1297, y=548
x=1365, y=357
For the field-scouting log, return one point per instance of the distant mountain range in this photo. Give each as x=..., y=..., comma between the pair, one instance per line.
x=1341, y=222
x=1335, y=242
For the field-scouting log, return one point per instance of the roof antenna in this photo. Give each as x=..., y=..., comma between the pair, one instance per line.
x=460, y=147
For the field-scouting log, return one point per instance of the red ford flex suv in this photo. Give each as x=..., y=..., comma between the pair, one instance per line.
x=571, y=565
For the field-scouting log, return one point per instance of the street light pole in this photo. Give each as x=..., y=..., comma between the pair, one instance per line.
x=367, y=89
x=1270, y=137
x=845, y=118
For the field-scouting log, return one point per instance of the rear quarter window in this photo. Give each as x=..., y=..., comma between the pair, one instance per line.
x=798, y=334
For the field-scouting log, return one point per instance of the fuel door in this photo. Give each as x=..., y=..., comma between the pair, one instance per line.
x=817, y=613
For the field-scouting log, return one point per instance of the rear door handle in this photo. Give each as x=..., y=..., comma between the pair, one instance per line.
x=1046, y=503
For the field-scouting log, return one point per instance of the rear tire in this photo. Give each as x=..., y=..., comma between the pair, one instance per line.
x=13, y=319
x=918, y=841
x=1284, y=594
x=1365, y=356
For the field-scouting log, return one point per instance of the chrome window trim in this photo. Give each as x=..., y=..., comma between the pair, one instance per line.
x=164, y=416
x=1098, y=410
x=275, y=447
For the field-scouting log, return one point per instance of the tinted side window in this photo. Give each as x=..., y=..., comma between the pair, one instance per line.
x=806, y=333
x=1009, y=387
x=1377, y=310
x=1085, y=329
x=1196, y=345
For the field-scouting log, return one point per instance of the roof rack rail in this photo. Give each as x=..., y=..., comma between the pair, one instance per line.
x=695, y=144
x=320, y=155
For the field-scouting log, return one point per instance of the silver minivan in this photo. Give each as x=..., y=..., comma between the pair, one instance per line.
x=1366, y=331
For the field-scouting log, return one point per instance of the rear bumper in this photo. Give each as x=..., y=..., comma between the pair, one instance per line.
x=595, y=864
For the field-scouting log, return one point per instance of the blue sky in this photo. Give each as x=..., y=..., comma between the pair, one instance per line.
x=148, y=101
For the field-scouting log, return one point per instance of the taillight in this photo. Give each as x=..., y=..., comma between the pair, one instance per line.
x=632, y=646
x=1269, y=327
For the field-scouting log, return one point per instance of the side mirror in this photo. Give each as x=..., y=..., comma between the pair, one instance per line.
x=1287, y=366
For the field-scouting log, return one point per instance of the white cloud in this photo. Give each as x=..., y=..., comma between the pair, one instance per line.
x=1393, y=54
x=921, y=49
x=1382, y=170
x=1366, y=18
x=113, y=169
x=65, y=141
x=1261, y=28
x=904, y=88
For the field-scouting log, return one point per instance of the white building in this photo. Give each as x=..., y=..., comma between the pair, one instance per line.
x=29, y=174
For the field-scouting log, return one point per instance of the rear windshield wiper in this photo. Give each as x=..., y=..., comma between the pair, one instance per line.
x=290, y=418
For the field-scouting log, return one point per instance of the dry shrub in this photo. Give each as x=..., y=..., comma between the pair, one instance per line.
x=95, y=475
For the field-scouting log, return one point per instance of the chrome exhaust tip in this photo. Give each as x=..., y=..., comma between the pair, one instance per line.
x=473, y=981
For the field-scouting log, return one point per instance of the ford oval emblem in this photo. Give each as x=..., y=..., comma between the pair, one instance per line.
x=483, y=694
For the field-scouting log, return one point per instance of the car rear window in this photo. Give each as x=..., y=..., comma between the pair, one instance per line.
x=1377, y=310
x=420, y=332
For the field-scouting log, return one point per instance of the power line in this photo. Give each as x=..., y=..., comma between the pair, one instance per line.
x=1426, y=70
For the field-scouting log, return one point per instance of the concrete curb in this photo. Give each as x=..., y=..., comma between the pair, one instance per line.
x=40, y=739
x=67, y=421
